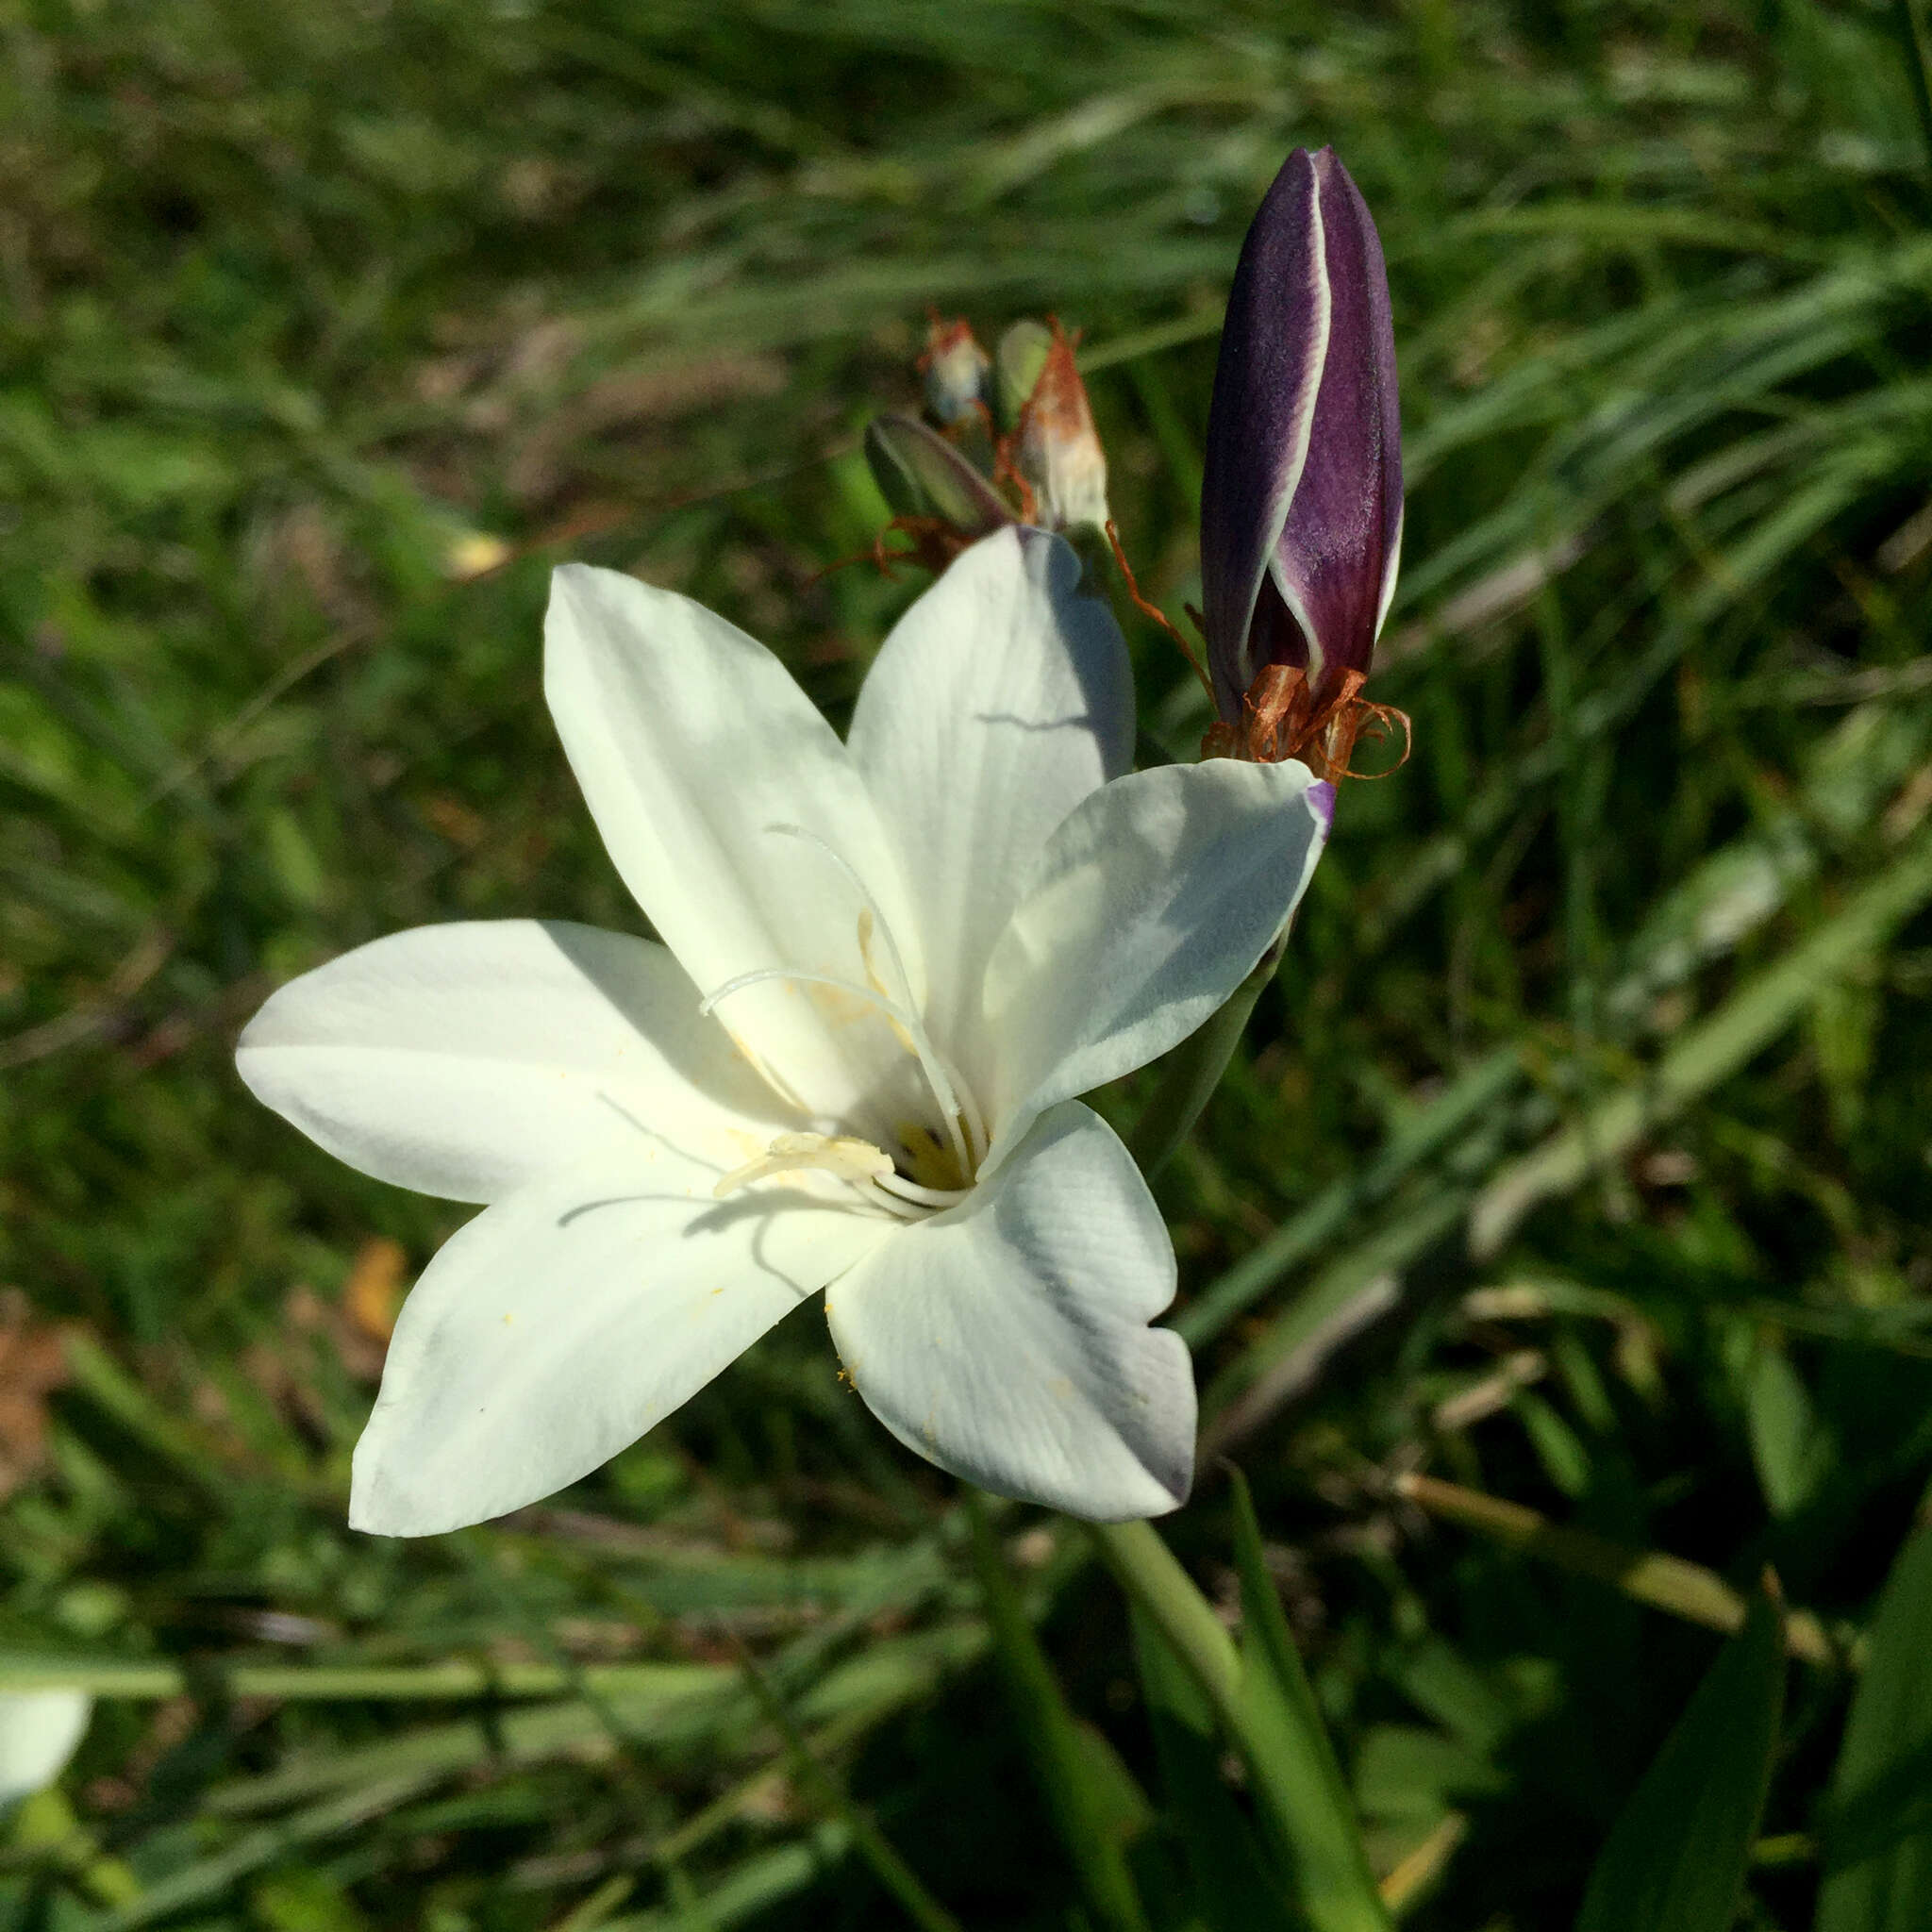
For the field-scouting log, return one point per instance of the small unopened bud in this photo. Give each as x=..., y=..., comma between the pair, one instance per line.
x=921, y=475
x=936, y=497
x=956, y=370
x=1057, y=451
x=1017, y=363
x=1301, y=499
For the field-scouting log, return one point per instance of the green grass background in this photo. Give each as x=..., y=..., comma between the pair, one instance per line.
x=1598, y=1065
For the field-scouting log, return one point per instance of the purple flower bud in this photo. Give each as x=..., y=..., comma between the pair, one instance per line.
x=1301, y=501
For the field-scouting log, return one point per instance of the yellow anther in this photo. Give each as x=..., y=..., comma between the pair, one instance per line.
x=845, y=1155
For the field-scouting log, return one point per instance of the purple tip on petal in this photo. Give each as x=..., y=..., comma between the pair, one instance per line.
x=1301, y=502
x=1321, y=797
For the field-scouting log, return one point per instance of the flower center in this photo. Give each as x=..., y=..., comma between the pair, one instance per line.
x=936, y=1164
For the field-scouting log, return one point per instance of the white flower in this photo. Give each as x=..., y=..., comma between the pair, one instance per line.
x=888, y=968
x=39, y=1730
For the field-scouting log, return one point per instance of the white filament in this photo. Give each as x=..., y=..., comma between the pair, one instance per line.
x=965, y=1127
x=862, y=1167
x=930, y=1061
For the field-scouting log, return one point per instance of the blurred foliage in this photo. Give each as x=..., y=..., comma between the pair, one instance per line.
x=1581, y=1154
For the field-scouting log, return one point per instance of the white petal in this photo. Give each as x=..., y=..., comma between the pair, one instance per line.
x=564, y=1321
x=695, y=751
x=39, y=1730
x=1152, y=902
x=1006, y=1340
x=1000, y=701
x=466, y=1060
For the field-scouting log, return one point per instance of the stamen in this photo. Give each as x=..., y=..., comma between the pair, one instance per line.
x=891, y=1009
x=896, y=1183
x=863, y=1168
x=866, y=927
x=851, y=1159
x=948, y=1088
x=930, y=1061
x=976, y=1127
x=858, y=886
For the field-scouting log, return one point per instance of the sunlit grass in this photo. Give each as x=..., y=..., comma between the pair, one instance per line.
x=1581, y=1154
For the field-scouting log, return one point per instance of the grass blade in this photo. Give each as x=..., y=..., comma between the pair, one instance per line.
x=1306, y=1797
x=1234, y=1886
x=895, y=1875
x=1265, y=1710
x=1665, y=1583
x=1084, y=1799
x=1676, y=1858
x=1708, y=1052
x=1877, y=1843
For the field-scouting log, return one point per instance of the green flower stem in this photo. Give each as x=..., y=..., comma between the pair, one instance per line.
x=1088, y=1823
x=1277, y=1729
x=1193, y=1071
x=1151, y=1574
